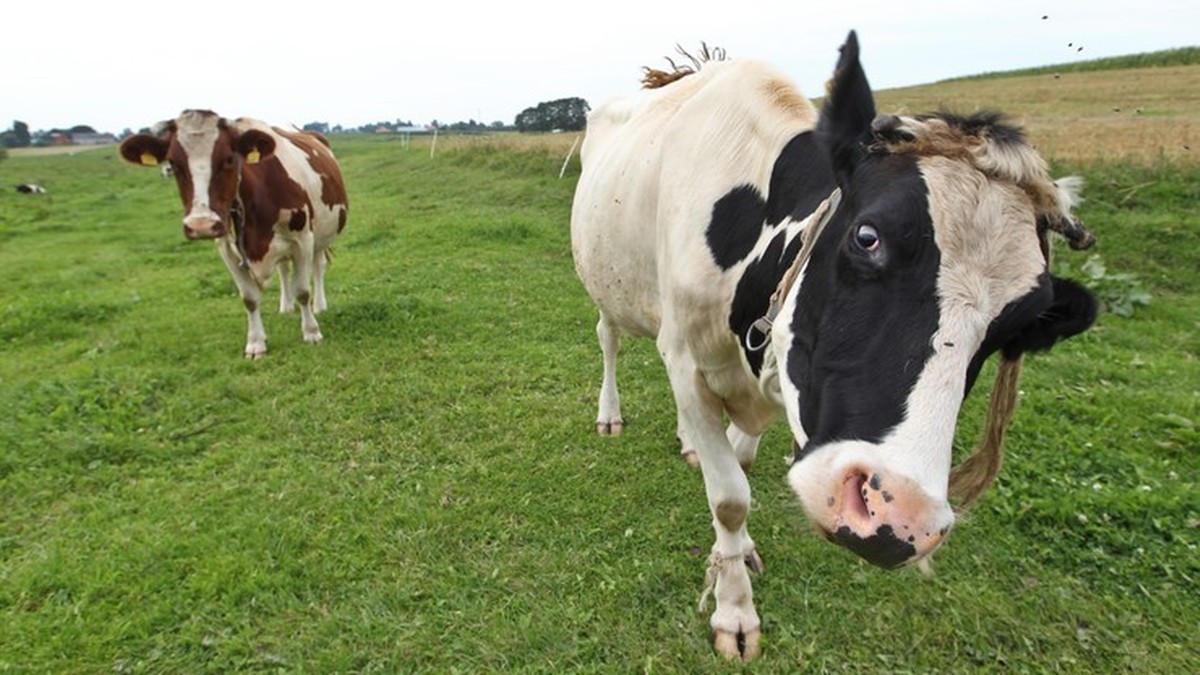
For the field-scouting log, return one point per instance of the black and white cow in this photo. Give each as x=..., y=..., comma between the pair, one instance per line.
x=917, y=246
x=31, y=189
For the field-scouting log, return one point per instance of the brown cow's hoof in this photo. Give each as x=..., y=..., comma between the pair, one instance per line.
x=742, y=646
x=692, y=459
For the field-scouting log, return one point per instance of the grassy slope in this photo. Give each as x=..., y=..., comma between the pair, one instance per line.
x=1182, y=56
x=423, y=491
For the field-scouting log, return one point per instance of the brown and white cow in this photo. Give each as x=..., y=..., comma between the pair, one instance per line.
x=268, y=197
x=847, y=271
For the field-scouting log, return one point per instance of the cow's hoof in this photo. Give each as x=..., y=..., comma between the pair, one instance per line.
x=314, y=338
x=613, y=428
x=754, y=562
x=692, y=459
x=740, y=646
x=254, y=356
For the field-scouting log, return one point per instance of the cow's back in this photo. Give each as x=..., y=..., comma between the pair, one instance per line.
x=653, y=167
x=308, y=161
x=614, y=214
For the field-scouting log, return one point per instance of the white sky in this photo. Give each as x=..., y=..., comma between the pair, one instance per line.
x=130, y=63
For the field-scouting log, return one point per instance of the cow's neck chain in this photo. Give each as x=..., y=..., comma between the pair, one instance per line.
x=819, y=219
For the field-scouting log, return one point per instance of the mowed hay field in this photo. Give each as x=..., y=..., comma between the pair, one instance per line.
x=424, y=491
x=1139, y=115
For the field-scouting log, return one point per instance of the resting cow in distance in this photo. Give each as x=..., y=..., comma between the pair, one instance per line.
x=848, y=271
x=268, y=197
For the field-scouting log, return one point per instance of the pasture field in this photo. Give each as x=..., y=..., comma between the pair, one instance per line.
x=424, y=491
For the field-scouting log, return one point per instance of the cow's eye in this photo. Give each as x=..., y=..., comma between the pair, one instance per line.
x=867, y=238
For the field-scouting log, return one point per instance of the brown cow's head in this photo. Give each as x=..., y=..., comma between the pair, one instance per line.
x=206, y=155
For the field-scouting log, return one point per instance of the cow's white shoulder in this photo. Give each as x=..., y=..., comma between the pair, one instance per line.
x=653, y=166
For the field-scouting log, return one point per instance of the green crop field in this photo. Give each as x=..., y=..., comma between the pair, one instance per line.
x=424, y=491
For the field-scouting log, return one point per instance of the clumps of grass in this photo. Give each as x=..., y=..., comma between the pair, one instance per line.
x=1180, y=432
x=498, y=156
x=381, y=315
x=1120, y=292
x=54, y=319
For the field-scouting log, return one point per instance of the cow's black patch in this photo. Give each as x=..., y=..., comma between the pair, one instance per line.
x=737, y=222
x=864, y=320
x=883, y=548
x=1071, y=311
x=800, y=179
x=752, y=297
x=1055, y=309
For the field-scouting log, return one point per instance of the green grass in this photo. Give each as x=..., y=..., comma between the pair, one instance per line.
x=1181, y=56
x=424, y=490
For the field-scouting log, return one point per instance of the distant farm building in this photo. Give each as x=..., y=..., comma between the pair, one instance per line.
x=93, y=139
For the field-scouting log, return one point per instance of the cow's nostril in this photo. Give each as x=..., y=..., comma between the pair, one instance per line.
x=855, y=501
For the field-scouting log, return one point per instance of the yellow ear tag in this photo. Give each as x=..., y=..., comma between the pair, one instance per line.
x=253, y=156
x=149, y=159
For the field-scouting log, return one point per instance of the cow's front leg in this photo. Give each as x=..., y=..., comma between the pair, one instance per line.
x=256, y=335
x=251, y=293
x=301, y=290
x=735, y=622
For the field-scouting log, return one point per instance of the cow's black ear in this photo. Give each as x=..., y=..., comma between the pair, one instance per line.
x=144, y=149
x=1072, y=312
x=255, y=145
x=848, y=110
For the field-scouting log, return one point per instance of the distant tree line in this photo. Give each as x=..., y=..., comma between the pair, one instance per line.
x=17, y=137
x=565, y=114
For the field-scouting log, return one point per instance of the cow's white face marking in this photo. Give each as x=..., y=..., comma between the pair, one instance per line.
x=989, y=257
x=197, y=135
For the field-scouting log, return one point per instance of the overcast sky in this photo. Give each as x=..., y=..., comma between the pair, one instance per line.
x=130, y=63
